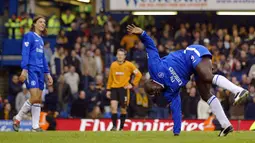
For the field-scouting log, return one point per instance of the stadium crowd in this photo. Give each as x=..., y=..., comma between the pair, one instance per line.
x=86, y=46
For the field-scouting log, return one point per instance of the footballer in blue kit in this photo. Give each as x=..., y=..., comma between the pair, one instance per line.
x=34, y=70
x=170, y=73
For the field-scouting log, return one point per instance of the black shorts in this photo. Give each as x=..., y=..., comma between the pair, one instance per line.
x=121, y=95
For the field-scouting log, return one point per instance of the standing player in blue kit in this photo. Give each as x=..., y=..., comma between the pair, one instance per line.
x=170, y=73
x=34, y=68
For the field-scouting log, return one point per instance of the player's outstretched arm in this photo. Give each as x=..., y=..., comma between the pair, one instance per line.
x=147, y=41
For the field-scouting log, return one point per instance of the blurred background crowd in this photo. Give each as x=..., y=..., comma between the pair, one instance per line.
x=86, y=46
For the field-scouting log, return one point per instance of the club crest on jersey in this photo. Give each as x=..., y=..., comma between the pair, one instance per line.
x=33, y=83
x=26, y=44
x=161, y=75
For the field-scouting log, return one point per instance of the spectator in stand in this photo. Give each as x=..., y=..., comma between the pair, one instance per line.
x=221, y=48
x=178, y=32
x=95, y=101
x=237, y=111
x=51, y=99
x=102, y=18
x=64, y=94
x=251, y=57
x=161, y=50
x=128, y=41
x=72, y=36
x=53, y=25
x=218, y=36
x=140, y=104
x=72, y=79
x=183, y=37
x=89, y=64
x=109, y=49
x=1, y=102
x=250, y=105
x=78, y=41
x=117, y=34
x=22, y=97
x=86, y=29
x=170, y=46
x=110, y=23
x=77, y=49
x=79, y=107
x=164, y=38
x=233, y=50
x=100, y=87
x=13, y=26
x=243, y=32
x=97, y=43
x=237, y=73
x=96, y=28
x=99, y=62
x=85, y=78
x=191, y=102
x=197, y=39
x=14, y=89
x=140, y=56
x=184, y=44
x=57, y=62
x=251, y=34
x=85, y=42
x=203, y=110
x=62, y=40
x=160, y=108
x=67, y=18
x=72, y=60
x=224, y=98
x=6, y=113
x=47, y=51
x=245, y=81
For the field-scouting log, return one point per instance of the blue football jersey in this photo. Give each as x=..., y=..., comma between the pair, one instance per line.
x=33, y=53
x=174, y=70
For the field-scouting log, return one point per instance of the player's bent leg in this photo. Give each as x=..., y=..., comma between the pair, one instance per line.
x=240, y=93
x=204, y=71
x=123, y=115
x=214, y=103
x=177, y=115
x=114, y=107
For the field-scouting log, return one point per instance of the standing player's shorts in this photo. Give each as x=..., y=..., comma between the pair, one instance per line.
x=122, y=95
x=35, y=78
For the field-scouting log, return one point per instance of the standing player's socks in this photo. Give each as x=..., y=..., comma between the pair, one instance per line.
x=114, y=120
x=217, y=110
x=223, y=82
x=122, y=120
x=24, y=109
x=36, y=109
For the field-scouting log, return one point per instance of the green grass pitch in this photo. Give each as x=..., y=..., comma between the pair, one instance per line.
x=125, y=137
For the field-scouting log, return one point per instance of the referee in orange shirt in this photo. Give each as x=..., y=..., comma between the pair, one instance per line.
x=119, y=84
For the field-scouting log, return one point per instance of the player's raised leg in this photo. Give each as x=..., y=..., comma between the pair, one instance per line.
x=204, y=70
x=214, y=103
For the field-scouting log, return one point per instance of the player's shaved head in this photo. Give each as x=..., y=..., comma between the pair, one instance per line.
x=152, y=88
